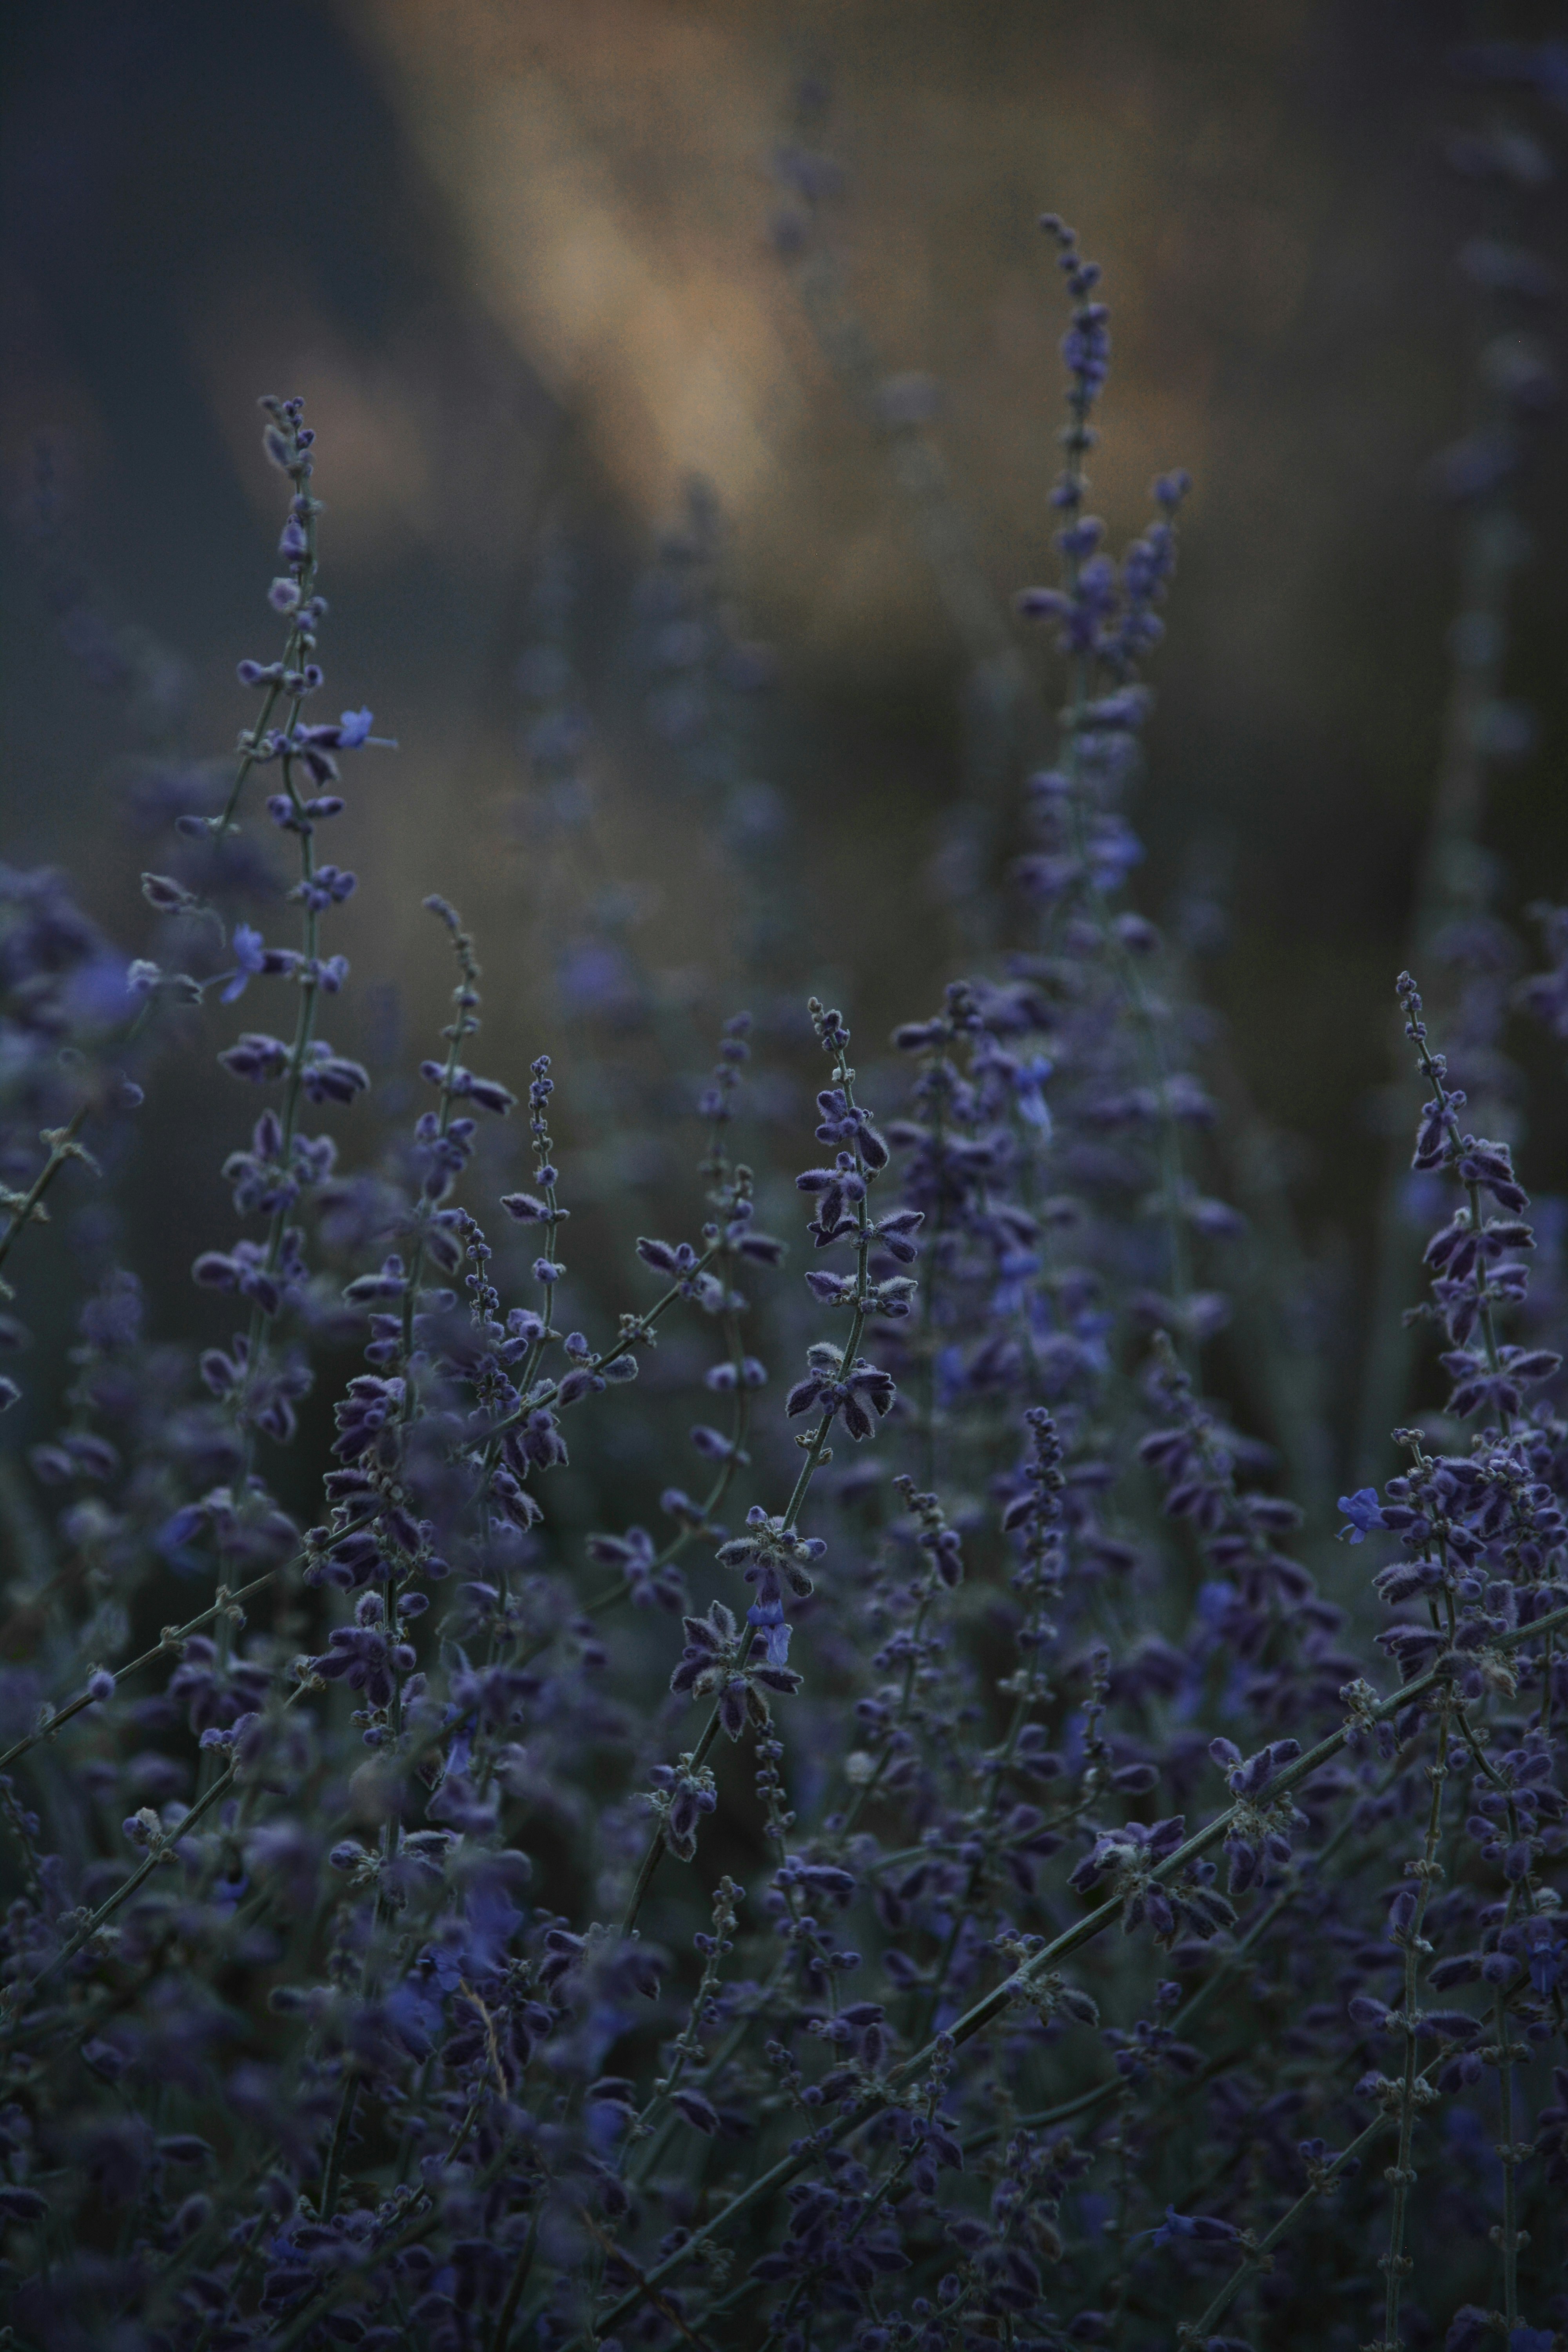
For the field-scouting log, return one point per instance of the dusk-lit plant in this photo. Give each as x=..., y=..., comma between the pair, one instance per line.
x=1021, y=1903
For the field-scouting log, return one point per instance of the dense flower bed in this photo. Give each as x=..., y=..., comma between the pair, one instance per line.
x=1025, y=1902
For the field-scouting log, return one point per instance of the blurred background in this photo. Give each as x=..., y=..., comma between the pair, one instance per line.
x=687, y=386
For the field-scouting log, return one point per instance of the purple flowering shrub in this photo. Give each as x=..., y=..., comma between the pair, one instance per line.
x=1039, y=1897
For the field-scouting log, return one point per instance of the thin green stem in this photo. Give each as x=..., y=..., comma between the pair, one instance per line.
x=162, y=1851
x=170, y=1639
x=1401, y=2174
x=63, y=1146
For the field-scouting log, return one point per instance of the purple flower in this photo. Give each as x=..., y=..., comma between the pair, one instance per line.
x=775, y=1630
x=260, y=1058
x=1546, y=1950
x=846, y=1393
x=249, y=955
x=1206, y=2229
x=1364, y=1512
x=367, y=1660
x=1028, y=1085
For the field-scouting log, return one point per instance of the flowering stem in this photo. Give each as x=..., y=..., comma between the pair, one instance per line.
x=928, y=1287
x=163, y=1852
x=170, y=1639
x=1197, y=2331
x=819, y=1436
x=1192, y=2007
x=690, y=2043
x=650, y=1860
x=293, y=2331
x=868, y=1787
x=305, y=1018
x=63, y=1146
x=845, y=1076
x=996, y=2002
x=637, y=1326
x=1078, y=439
x=463, y=1024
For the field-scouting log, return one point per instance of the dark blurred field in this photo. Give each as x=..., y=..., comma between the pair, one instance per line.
x=516, y=258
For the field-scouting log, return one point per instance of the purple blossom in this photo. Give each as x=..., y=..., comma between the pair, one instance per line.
x=249, y=958
x=1204, y=2230
x=1362, y=1511
x=775, y=1628
x=852, y=1393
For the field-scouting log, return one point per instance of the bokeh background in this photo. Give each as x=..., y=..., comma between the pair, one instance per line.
x=534, y=266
